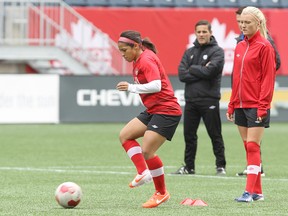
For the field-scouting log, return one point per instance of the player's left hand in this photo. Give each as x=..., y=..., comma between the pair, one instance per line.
x=259, y=119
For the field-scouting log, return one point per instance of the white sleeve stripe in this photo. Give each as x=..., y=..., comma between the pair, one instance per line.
x=151, y=87
x=157, y=172
x=253, y=169
x=134, y=150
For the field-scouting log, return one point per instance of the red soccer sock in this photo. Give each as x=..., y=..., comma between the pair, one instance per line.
x=245, y=146
x=258, y=185
x=155, y=166
x=253, y=169
x=134, y=151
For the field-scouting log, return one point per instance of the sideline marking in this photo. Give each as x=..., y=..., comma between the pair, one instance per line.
x=68, y=169
x=33, y=169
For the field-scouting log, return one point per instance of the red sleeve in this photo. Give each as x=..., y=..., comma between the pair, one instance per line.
x=150, y=69
x=268, y=69
x=234, y=84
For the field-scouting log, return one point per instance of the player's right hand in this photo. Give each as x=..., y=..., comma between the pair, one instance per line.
x=229, y=117
x=122, y=86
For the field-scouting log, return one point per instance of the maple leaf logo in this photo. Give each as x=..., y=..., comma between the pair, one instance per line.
x=92, y=48
x=228, y=43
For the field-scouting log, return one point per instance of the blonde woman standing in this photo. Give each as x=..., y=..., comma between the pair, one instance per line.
x=253, y=85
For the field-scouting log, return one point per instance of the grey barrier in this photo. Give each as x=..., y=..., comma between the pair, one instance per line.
x=95, y=99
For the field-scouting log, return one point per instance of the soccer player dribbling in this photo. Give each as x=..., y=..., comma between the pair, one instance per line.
x=157, y=123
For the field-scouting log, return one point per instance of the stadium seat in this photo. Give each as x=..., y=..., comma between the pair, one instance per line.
x=206, y=3
x=185, y=3
x=228, y=3
x=97, y=3
x=269, y=3
x=243, y=3
x=120, y=3
x=141, y=3
x=76, y=2
x=164, y=3
x=284, y=3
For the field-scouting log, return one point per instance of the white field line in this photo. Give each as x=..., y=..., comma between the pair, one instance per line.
x=81, y=169
x=33, y=169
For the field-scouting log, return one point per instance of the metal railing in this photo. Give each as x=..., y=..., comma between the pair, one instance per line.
x=54, y=23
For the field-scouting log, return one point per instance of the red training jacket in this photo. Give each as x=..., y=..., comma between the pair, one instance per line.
x=253, y=75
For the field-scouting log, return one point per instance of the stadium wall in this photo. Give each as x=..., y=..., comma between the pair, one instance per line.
x=89, y=99
x=172, y=29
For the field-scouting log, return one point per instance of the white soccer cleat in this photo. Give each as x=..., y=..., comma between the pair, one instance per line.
x=139, y=180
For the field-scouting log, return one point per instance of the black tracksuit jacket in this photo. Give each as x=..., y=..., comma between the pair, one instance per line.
x=202, y=82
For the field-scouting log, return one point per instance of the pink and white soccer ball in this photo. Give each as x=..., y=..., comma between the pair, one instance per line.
x=68, y=194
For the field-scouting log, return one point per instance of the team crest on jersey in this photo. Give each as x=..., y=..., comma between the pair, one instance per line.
x=136, y=72
x=205, y=57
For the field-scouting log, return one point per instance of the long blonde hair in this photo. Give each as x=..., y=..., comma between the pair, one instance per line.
x=258, y=16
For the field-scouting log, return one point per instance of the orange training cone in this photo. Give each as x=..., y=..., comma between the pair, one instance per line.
x=193, y=202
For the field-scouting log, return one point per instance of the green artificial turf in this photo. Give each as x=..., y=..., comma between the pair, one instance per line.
x=35, y=159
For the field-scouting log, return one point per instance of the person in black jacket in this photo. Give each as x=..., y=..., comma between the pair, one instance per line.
x=277, y=61
x=201, y=71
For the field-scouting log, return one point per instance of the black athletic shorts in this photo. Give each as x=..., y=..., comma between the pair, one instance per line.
x=164, y=125
x=247, y=117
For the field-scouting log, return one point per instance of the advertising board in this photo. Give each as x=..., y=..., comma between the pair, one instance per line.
x=29, y=98
x=95, y=99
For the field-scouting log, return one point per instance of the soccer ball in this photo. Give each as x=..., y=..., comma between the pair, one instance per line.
x=68, y=194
